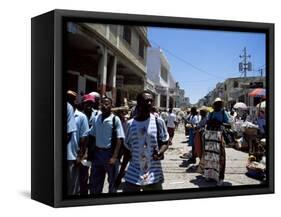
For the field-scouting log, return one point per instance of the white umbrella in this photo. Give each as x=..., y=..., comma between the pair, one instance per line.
x=181, y=114
x=261, y=105
x=240, y=105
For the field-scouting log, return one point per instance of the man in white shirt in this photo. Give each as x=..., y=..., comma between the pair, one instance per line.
x=171, y=125
x=164, y=116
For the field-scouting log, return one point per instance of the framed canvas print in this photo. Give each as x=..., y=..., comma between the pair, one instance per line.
x=133, y=108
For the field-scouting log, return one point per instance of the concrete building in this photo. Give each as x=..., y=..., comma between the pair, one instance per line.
x=173, y=91
x=186, y=102
x=180, y=99
x=201, y=102
x=109, y=59
x=158, y=71
x=234, y=90
x=150, y=86
x=237, y=89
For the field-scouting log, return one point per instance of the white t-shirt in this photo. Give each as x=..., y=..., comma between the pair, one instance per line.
x=171, y=120
x=164, y=115
x=194, y=119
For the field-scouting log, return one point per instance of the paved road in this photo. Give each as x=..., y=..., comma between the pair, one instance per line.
x=177, y=177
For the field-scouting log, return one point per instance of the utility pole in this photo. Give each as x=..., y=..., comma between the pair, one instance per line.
x=245, y=65
x=261, y=72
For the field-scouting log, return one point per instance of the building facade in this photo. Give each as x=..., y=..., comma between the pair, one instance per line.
x=237, y=90
x=234, y=90
x=180, y=101
x=158, y=71
x=109, y=59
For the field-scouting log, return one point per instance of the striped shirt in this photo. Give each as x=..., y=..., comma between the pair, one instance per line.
x=141, y=140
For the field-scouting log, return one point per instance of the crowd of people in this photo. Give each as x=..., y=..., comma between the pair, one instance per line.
x=118, y=145
x=129, y=144
x=209, y=130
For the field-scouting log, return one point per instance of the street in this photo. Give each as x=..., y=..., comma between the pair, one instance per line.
x=178, y=177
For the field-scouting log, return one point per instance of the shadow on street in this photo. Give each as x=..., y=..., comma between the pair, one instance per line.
x=185, y=163
x=200, y=181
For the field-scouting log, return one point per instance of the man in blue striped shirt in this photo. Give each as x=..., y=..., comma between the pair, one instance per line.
x=147, y=140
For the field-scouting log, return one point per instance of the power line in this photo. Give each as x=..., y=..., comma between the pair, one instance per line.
x=263, y=66
x=184, y=61
x=259, y=70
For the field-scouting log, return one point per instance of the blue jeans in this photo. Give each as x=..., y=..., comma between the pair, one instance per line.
x=191, y=137
x=101, y=167
x=191, y=143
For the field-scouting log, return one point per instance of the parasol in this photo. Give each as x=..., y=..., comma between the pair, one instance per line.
x=258, y=92
x=240, y=105
x=205, y=108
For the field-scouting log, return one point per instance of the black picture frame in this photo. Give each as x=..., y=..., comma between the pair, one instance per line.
x=47, y=40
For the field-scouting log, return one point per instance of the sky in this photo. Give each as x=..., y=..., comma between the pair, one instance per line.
x=199, y=59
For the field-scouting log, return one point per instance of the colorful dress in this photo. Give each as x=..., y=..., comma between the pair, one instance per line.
x=213, y=154
x=214, y=150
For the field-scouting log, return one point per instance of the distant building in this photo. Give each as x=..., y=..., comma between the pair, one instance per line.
x=158, y=71
x=234, y=90
x=186, y=102
x=150, y=86
x=180, y=101
x=237, y=89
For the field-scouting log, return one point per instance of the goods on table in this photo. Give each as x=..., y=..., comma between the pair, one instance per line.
x=256, y=170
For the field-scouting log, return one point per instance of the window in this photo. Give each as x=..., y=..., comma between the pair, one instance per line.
x=164, y=74
x=91, y=86
x=127, y=34
x=72, y=82
x=163, y=101
x=235, y=84
x=241, y=98
x=256, y=85
x=113, y=29
x=141, y=48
